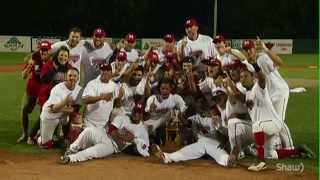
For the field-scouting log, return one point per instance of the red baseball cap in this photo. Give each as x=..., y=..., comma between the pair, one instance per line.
x=213, y=61
x=153, y=57
x=131, y=37
x=105, y=67
x=45, y=45
x=190, y=22
x=139, y=107
x=99, y=33
x=247, y=44
x=218, y=39
x=169, y=55
x=169, y=38
x=121, y=56
x=235, y=64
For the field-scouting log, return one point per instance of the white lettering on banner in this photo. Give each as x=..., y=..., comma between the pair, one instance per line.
x=279, y=46
x=36, y=41
x=15, y=44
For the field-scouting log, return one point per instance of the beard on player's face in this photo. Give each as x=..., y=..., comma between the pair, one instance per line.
x=105, y=76
x=98, y=42
x=137, y=117
x=246, y=79
x=192, y=32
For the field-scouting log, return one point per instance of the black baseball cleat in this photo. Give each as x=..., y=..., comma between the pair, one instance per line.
x=306, y=152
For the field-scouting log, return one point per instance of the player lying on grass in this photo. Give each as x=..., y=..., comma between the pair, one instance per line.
x=122, y=132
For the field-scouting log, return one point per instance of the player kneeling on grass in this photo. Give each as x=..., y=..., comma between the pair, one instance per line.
x=266, y=122
x=58, y=107
x=122, y=132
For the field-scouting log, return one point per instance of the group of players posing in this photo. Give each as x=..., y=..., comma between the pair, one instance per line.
x=231, y=103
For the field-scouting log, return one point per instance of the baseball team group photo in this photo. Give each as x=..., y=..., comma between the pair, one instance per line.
x=158, y=90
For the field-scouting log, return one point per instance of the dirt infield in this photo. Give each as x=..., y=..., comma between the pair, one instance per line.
x=121, y=166
x=11, y=67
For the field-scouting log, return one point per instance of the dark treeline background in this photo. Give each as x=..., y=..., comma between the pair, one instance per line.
x=153, y=18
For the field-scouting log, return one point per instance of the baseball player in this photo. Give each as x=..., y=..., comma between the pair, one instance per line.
x=266, y=122
x=96, y=142
x=52, y=73
x=205, y=129
x=75, y=47
x=196, y=45
x=133, y=90
x=31, y=72
x=120, y=66
x=59, y=105
x=226, y=54
x=99, y=96
x=97, y=52
x=127, y=45
x=278, y=88
x=159, y=106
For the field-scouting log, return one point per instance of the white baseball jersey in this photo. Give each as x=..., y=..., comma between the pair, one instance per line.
x=138, y=130
x=275, y=84
x=201, y=48
x=240, y=87
x=76, y=53
x=173, y=101
x=226, y=58
x=207, y=85
x=129, y=92
x=92, y=60
x=123, y=69
x=57, y=95
x=262, y=106
x=132, y=55
x=97, y=114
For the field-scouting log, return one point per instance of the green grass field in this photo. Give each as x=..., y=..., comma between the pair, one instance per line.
x=301, y=111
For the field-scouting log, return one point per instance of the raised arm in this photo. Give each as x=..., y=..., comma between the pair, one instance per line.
x=273, y=56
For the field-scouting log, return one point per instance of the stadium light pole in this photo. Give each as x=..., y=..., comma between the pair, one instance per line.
x=215, y=14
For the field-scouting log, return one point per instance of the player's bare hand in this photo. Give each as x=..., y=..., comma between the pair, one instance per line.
x=69, y=100
x=153, y=106
x=121, y=91
x=106, y=96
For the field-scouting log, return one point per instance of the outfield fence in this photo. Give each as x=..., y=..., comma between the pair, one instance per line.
x=11, y=43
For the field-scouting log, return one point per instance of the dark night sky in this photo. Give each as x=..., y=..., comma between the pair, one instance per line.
x=153, y=18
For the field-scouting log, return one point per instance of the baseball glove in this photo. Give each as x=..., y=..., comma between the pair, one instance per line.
x=122, y=137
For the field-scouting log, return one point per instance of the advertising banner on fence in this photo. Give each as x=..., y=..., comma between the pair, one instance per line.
x=147, y=43
x=280, y=46
x=36, y=40
x=15, y=44
x=138, y=42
